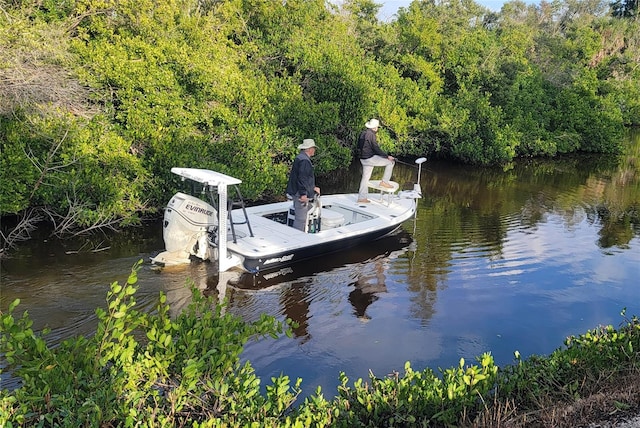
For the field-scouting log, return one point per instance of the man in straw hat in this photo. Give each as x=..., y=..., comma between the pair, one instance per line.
x=302, y=183
x=372, y=155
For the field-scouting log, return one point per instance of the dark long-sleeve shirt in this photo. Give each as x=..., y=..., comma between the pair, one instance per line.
x=302, y=178
x=368, y=145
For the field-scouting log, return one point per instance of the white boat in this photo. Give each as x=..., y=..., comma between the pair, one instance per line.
x=261, y=238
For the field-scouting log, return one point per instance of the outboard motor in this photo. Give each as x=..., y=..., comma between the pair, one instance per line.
x=187, y=226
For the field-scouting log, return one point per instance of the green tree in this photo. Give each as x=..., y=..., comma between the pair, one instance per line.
x=100, y=98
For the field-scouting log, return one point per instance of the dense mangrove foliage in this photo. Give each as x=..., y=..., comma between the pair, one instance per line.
x=100, y=98
x=150, y=369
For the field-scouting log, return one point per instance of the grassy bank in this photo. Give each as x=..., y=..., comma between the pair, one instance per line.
x=149, y=369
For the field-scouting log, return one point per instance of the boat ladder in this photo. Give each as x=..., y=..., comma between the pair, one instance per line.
x=237, y=202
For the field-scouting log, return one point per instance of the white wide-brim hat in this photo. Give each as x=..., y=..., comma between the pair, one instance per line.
x=373, y=123
x=307, y=143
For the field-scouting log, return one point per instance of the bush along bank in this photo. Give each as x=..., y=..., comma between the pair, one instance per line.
x=149, y=369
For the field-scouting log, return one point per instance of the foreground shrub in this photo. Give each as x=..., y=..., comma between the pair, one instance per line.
x=147, y=369
x=577, y=370
x=138, y=368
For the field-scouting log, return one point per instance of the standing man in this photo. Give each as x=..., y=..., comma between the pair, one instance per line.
x=372, y=155
x=302, y=183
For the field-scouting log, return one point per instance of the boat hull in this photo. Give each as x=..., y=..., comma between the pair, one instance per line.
x=286, y=258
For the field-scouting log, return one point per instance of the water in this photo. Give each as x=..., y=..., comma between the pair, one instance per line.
x=496, y=260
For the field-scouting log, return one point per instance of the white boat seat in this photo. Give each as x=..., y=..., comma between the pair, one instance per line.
x=384, y=191
x=330, y=219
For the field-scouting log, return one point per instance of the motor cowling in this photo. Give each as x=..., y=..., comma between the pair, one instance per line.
x=187, y=223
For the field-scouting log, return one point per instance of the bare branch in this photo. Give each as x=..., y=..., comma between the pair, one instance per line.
x=44, y=170
x=27, y=223
x=34, y=75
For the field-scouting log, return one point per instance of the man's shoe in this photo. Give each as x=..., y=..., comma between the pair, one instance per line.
x=385, y=184
x=363, y=201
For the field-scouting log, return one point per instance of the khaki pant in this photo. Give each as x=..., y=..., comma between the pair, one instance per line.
x=367, y=170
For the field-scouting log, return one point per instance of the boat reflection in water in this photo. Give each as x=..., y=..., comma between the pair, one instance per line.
x=399, y=240
x=290, y=291
x=366, y=289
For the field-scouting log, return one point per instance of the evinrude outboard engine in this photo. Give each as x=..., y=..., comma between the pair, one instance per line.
x=188, y=227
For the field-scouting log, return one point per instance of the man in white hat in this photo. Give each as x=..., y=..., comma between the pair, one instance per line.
x=302, y=183
x=371, y=155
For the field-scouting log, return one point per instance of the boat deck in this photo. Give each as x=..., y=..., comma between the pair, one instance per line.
x=272, y=236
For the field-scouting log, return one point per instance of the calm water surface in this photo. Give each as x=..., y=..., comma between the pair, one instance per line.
x=496, y=260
